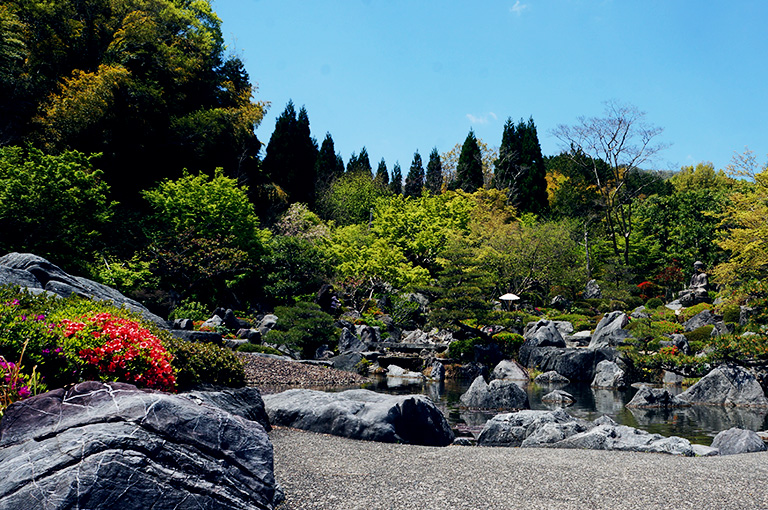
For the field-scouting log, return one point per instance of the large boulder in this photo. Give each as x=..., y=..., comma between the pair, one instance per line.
x=539, y=334
x=576, y=364
x=592, y=290
x=110, y=445
x=510, y=369
x=559, y=398
x=655, y=398
x=362, y=414
x=726, y=385
x=35, y=273
x=551, y=377
x=624, y=438
x=703, y=318
x=499, y=394
x=608, y=375
x=350, y=342
x=736, y=440
x=610, y=331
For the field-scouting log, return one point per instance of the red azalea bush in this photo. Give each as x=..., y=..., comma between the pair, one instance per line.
x=121, y=349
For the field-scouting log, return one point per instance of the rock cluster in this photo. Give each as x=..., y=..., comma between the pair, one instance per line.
x=558, y=429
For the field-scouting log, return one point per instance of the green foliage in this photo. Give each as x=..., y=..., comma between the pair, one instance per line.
x=204, y=234
x=264, y=349
x=303, y=327
x=204, y=364
x=351, y=198
x=405, y=314
x=421, y=227
x=145, y=83
x=464, y=350
x=513, y=320
x=53, y=206
x=127, y=276
x=509, y=343
x=692, y=311
x=396, y=184
x=328, y=165
x=580, y=322
x=701, y=334
x=654, y=303
x=191, y=310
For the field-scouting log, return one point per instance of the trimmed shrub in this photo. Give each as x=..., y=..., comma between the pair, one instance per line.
x=654, y=303
x=304, y=327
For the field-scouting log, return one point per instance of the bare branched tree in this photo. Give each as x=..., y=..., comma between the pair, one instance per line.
x=625, y=142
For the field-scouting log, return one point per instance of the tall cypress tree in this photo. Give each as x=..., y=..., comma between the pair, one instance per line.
x=396, y=184
x=327, y=167
x=414, y=181
x=291, y=155
x=434, y=177
x=469, y=169
x=382, y=174
x=520, y=168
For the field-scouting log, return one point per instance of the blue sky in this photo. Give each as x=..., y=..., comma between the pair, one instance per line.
x=398, y=76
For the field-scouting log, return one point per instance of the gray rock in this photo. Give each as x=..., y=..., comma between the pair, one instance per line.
x=608, y=375
x=438, y=371
x=244, y=402
x=499, y=394
x=672, y=379
x=110, y=445
x=347, y=361
x=560, y=302
x=592, y=290
x=551, y=377
x=559, y=397
x=20, y=277
x=266, y=324
x=396, y=371
x=509, y=369
x=511, y=429
x=577, y=364
x=726, y=385
x=609, y=331
x=362, y=414
x=368, y=334
x=655, y=397
x=203, y=337
x=703, y=318
x=213, y=324
x=231, y=322
x=640, y=313
x=746, y=313
x=349, y=342
x=539, y=334
x=735, y=440
x=700, y=450
x=565, y=328
x=183, y=324
x=721, y=328
x=470, y=371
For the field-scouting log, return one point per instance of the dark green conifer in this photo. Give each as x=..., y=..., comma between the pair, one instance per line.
x=382, y=174
x=469, y=170
x=521, y=169
x=396, y=184
x=414, y=182
x=434, y=176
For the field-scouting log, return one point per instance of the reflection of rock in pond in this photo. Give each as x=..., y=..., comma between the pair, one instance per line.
x=608, y=401
x=717, y=418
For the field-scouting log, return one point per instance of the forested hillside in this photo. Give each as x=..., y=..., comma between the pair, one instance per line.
x=129, y=155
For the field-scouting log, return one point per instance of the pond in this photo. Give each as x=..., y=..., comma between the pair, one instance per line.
x=698, y=424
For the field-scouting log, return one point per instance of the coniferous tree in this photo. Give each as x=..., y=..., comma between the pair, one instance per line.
x=382, y=174
x=327, y=167
x=360, y=164
x=291, y=156
x=414, y=182
x=469, y=170
x=434, y=176
x=396, y=184
x=521, y=169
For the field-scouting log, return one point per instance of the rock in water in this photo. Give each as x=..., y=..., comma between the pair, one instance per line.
x=110, y=445
x=499, y=394
x=726, y=385
x=362, y=414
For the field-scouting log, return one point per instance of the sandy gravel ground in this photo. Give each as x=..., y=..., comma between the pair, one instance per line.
x=326, y=472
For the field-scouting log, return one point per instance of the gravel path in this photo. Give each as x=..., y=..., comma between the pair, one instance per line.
x=272, y=373
x=325, y=472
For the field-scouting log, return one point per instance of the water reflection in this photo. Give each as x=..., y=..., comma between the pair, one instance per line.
x=699, y=424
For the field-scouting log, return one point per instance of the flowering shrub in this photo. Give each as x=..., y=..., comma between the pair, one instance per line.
x=15, y=385
x=120, y=349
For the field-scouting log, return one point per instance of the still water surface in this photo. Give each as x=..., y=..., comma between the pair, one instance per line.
x=698, y=424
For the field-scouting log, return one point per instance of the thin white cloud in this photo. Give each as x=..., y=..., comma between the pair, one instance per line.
x=484, y=119
x=518, y=8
